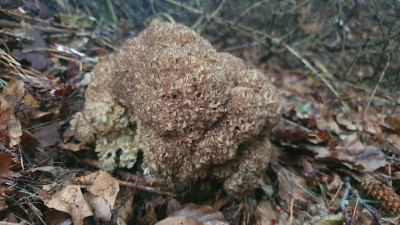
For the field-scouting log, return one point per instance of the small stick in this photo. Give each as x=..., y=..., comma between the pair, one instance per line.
x=145, y=188
x=376, y=86
x=345, y=202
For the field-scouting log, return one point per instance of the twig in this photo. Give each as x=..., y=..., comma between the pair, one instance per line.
x=291, y=212
x=376, y=86
x=27, y=18
x=10, y=34
x=345, y=202
x=213, y=14
x=336, y=194
x=255, y=5
x=145, y=188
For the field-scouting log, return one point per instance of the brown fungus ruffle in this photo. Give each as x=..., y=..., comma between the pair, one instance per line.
x=191, y=110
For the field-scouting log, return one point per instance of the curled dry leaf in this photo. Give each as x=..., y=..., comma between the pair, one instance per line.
x=17, y=96
x=70, y=200
x=101, y=183
x=99, y=200
x=103, y=190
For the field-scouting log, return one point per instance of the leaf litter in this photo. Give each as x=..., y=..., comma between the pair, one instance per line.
x=48, y=50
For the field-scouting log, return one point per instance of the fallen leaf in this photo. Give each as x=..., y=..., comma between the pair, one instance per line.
x=36, y=57
x=395, y=140
x=265, y=213
x=173, y=205
x=5, y=162
x=320, y=137
x=340, y=118
x=10, y=127
x=365, y=218
x=287, y=190
x=70, y=200
x=101, y=184
x=348, y=148
x=200, y=213
x=29, y=143
x=371, y=158
x=336, y=182
x=100, y=206
x=47, y=135
x=126, y=212
x=179, y=220
x=327, y=124
x=55, y=217
x=70, y=146
x=13, y=92
x=320, y=151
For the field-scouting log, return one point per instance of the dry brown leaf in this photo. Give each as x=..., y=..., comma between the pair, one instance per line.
x=395, y=140
x=320, y=137
x=47, y=135
x=327, y=124
x=200, y=213
x=191, y=214
x=179, y=220
x=287, y=189
x=100, y=206
x=352, y=150
x=10, y=127
x=101, y=184
x=371, y=158
x=70, y=200
x=341, y=119
x=126, y=211
x=5, y=163
x=320, y=151
x=53, y=217
x=13, y=92
x=335, y=183
x=37, y=58
x=69, y=146
x=265, y=213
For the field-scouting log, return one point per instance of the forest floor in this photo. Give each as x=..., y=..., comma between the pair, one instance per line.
x=336, y=149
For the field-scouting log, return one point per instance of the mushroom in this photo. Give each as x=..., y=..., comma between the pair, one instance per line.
x=192, y=111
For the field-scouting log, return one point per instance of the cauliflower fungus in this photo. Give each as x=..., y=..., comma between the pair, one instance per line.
x=192, y=111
